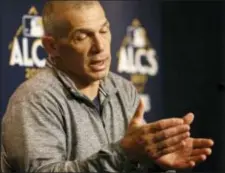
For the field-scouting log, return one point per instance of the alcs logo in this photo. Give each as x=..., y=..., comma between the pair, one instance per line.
x=138, y=59
x=26, y=47
x=136, y=54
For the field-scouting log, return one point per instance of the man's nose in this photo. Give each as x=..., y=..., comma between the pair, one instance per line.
x=98, y=43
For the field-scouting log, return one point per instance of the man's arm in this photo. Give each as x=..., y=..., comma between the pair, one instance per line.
x=34, y=140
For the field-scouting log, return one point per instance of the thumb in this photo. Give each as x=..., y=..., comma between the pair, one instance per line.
x=138, y=118
x=188, y=118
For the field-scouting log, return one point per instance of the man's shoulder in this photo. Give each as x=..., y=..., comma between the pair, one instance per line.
x=43, y=81
x=124, y=87
x=127, y=92
x=119, y=81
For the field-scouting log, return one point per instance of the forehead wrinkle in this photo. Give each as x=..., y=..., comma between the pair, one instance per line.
x=87, y=21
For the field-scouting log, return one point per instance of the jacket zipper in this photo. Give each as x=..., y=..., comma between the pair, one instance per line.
x=101, y=117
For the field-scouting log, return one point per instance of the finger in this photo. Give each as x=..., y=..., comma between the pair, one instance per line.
x=188, y=118
x=204, y=151
x=184, y=165
x=164, y=124
x=173, y=131
x=172, y=141
x=202, y=143
x=139, y=114
x=168, y=150
x=198, y=159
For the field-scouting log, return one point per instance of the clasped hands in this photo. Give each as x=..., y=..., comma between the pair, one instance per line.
x=167, y=142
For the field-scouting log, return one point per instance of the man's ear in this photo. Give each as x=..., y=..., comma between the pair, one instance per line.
x=49, y=45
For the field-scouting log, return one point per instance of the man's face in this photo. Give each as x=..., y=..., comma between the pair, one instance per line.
x=86, y=54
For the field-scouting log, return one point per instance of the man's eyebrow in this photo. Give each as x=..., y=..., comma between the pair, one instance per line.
x=106, y=23
x=87, y=30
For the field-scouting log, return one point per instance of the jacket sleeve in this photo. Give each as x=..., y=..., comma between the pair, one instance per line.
x=34, y=140
x=132, y=98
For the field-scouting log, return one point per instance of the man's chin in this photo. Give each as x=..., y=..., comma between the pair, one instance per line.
x=99, y=75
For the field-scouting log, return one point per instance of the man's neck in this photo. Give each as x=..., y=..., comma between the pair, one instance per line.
x=89, y=89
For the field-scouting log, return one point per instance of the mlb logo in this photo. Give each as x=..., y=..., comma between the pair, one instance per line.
x=32, y=26
x=138, y=36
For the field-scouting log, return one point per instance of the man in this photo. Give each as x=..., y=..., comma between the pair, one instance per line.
x=76, y=116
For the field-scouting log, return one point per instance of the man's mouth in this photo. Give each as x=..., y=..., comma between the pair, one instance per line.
x=98, y=65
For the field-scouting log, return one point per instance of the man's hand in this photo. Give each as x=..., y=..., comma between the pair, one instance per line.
x=194, y=151
x=143, y=141
x=166, y=142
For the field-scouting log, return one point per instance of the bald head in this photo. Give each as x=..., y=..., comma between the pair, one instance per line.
x=54, y=21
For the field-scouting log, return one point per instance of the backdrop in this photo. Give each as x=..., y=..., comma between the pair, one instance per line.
x=170, y=50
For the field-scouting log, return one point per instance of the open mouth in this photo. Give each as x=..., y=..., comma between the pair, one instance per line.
x=98, y=65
